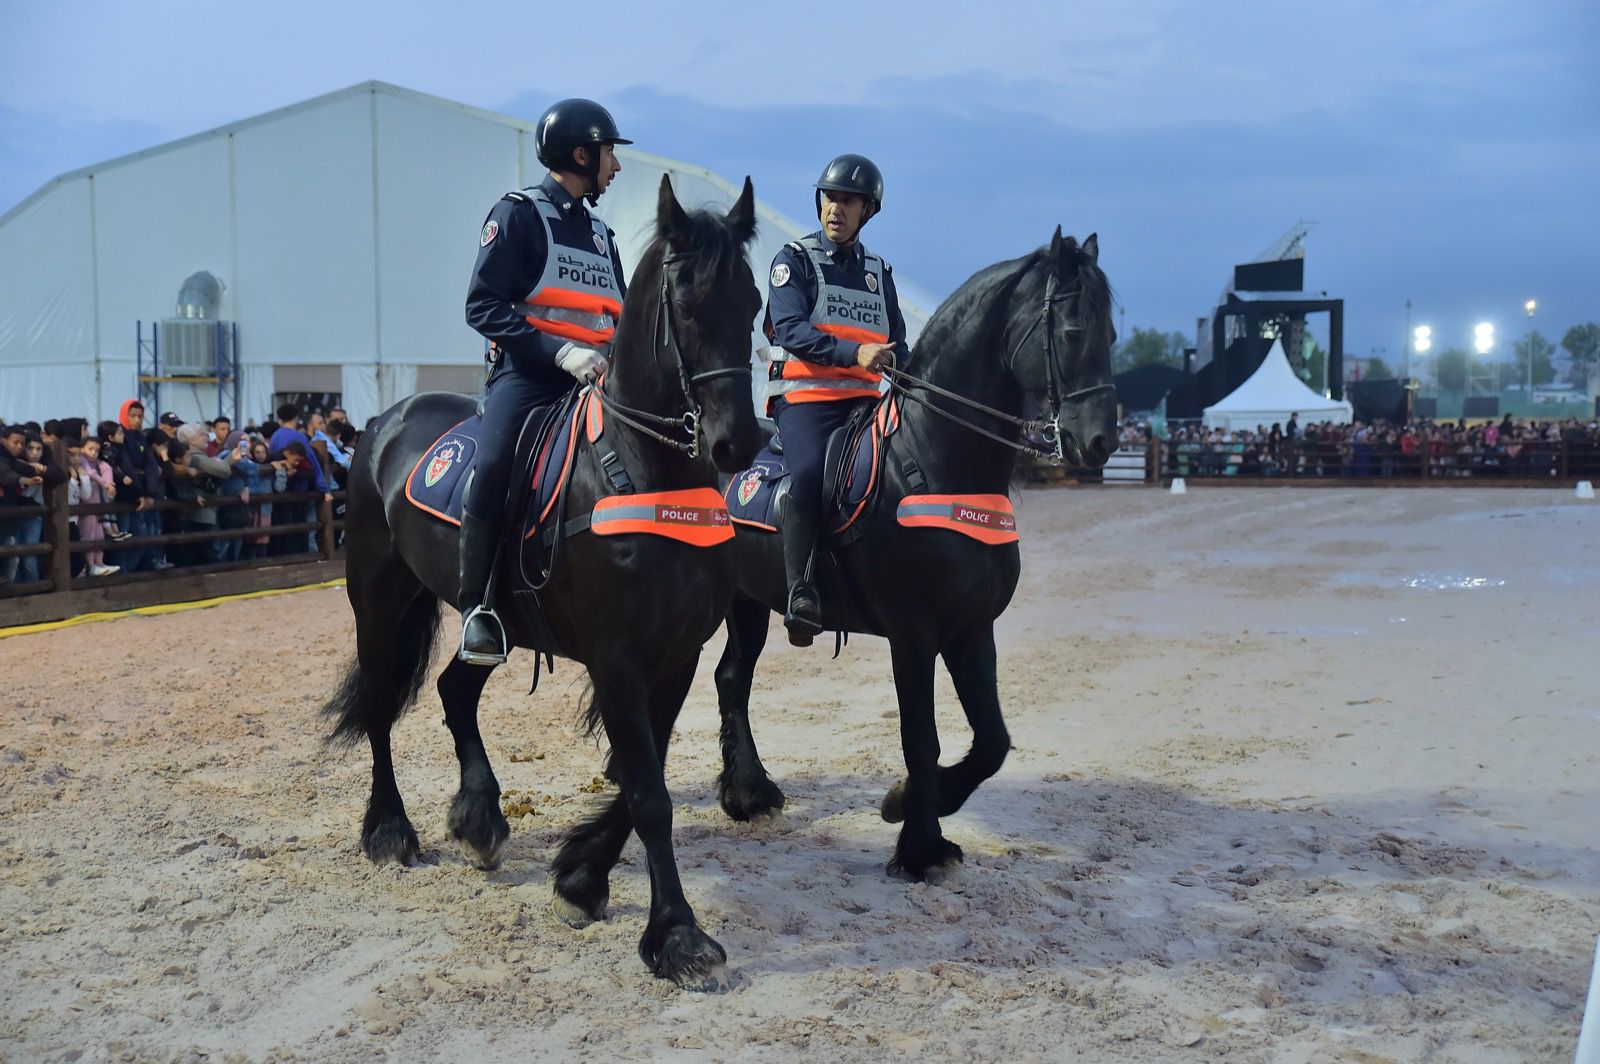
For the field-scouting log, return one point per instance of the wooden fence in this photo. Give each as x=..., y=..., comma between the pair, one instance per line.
x=60, y=595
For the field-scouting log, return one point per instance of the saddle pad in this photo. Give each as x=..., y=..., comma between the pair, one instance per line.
x=438, y=482
x=985, y=518
x=752, y=495
x=695, y=516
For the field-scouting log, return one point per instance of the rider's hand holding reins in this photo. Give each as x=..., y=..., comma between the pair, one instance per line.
x=584, y=363
x=875, y=357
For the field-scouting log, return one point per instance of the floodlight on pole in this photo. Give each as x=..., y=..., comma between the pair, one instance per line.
x=1530, y=306
x=1421, y=338
x=1483, y=337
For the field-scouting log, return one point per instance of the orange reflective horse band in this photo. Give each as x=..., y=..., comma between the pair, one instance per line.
x=697, y=516
x=985, y=518
x=852, y=332
x=594, y=415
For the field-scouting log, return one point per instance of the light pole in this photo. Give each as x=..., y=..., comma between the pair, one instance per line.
x=1482, y=341
x=1421, y=341
x=1405, y=358
x=1530, y=306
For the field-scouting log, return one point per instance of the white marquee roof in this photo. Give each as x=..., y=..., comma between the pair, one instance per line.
x=1272, y=393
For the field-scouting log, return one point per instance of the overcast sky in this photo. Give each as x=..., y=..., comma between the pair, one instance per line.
x=1445, y=152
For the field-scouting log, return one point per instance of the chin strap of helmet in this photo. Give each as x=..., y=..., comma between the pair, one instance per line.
x=590, y=170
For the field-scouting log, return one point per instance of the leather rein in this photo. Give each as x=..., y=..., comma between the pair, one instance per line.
x=688, y=422
x=1054, y=446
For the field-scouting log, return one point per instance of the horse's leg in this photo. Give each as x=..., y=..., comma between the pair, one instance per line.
x=971, y=662
x=475, y=817
x=673, y=945
x=744, y=788
x=589, y=852
x=921, y=849
x=396, y=622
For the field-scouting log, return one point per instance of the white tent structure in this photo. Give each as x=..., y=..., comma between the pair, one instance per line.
x=1272, y=393
x=342, y=229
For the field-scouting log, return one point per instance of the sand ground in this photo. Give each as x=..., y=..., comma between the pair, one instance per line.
x=1300, y=775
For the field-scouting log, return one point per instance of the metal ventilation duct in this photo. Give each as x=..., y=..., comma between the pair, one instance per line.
x=199, y=296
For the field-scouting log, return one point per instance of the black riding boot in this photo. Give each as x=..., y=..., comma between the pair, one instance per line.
x=803, y=617
x=483, y=640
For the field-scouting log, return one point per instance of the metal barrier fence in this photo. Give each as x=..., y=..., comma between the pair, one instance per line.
x=1539, y=464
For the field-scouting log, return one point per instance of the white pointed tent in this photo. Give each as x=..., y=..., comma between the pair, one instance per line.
x=1272, y=393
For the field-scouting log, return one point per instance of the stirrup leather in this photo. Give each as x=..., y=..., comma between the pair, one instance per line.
x=473, y=657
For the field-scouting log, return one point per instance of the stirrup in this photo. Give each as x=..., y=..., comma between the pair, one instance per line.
x=474, y=657
x=802, y=630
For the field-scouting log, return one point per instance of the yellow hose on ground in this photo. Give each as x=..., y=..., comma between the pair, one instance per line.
x=164, y=608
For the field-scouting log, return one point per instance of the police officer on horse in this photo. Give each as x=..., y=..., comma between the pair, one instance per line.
x=834, y=320
x=546, y=292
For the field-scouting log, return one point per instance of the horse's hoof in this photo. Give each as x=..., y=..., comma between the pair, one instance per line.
x=484, y=862
x=926, y=862
x=688, y=956
x=477, y=823
x=744, y=803
x=893, y=809
x=577, y=916
x=391, y=840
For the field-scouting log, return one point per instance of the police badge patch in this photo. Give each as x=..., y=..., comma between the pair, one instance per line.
x=780, y=275
x=872, y=282
x=600, y=243
x=490, y=231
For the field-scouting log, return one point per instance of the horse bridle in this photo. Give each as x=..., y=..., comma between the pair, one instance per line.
x=1053, y=437
x=667, y=340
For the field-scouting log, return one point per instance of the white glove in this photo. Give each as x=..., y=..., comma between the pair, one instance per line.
x=584, y=363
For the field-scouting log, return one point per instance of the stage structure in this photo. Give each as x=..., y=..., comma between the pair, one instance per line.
x=1264, y=302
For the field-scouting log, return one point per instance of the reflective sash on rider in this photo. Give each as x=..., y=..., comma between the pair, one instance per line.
x=856, y=312
x=577, y=295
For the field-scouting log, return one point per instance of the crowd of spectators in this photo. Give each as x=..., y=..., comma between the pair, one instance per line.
x=1511, y=447
x=215, y=471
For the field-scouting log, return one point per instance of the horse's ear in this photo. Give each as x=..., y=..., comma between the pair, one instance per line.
x=671, y=221
x=1091, y=247
x=1055, y=250
x=742, y=218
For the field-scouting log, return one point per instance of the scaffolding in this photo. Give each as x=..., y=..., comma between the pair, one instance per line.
x=224, y=371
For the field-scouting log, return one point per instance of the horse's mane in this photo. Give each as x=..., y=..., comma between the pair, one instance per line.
x=954, y=323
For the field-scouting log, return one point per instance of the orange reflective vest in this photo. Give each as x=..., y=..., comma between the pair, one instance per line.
x=577, y=297
x=846, y=308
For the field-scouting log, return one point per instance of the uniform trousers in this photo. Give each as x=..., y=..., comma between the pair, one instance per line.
x=508, y=399
x=804, y=429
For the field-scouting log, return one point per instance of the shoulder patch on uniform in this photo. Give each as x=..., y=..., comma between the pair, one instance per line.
x=780, y=274
x=491, y=229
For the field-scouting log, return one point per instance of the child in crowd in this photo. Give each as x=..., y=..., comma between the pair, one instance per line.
x=94, y=483
x=269, y=477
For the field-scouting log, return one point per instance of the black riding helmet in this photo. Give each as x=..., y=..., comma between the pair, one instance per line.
x=570, y=124
x=853, y=173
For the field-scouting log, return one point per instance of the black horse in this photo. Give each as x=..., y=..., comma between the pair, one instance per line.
x=634, y=609
x=1030, y=334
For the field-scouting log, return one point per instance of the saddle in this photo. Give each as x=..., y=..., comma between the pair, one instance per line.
x=546, y=449
x=437, y=484
x=853, y=474
x=853, y=456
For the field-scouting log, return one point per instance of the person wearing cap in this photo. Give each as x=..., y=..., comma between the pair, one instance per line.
x=834, y=321
x=546, y=292
x=170, y=424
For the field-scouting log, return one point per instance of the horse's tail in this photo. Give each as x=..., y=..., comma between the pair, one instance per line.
x=368, y=704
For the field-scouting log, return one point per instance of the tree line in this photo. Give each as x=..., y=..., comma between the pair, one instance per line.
x=1452, y=368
